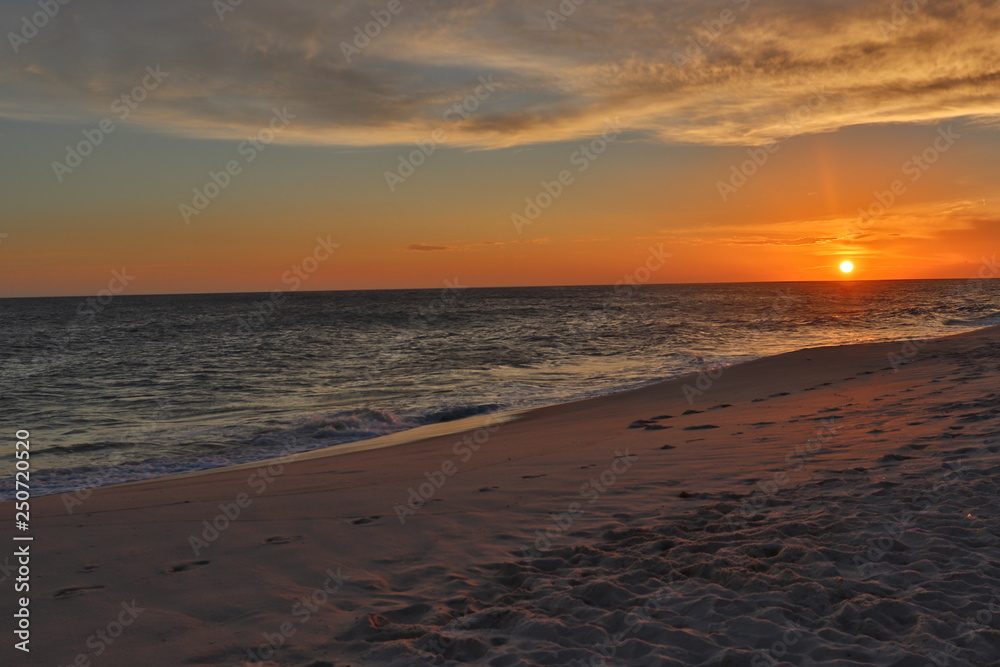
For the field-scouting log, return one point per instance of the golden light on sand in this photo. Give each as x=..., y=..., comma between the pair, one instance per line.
x=846, y=267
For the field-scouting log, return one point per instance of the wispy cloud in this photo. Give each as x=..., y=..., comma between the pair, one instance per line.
x=915, y=223
x=761, y=240
x=672, y=71
x=475, y=245
x=424, y=247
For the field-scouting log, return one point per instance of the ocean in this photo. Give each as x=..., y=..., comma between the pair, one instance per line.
x=134, y=387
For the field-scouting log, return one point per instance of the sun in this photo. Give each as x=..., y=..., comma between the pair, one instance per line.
x=846, y=267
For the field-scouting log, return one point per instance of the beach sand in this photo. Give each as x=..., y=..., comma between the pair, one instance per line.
x=818, y=507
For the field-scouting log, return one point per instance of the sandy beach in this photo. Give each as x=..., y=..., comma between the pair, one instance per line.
x=828, y=506
x=572, y=334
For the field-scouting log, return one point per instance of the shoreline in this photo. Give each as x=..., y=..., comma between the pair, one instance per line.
x=417, y=433
x=482, y=563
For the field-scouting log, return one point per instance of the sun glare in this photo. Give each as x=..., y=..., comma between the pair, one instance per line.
x=846, y=267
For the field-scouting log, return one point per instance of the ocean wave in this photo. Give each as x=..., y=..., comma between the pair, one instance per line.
x=459, y=412
x=983, y=321
x=235, y=444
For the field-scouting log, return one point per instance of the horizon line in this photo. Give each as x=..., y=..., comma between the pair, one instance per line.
x=478, y=287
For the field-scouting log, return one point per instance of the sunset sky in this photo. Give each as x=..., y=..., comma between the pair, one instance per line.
x=741, y=136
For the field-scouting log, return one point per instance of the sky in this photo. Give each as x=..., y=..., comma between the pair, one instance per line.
x=228, y=146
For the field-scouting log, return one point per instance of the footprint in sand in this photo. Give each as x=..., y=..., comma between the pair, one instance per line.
x=692, y=412
x=720, y=406
x=659, y=417
x=532, y=476
x=493, y=488
x=702, y=427
x=656, y=427
x=377, y=620
x=75, y=590
x=640, y=423
x=282, y=539
x=668, y=447
x=184, y=567
x=365, y=520
x=89, y=567
x=780, y=393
